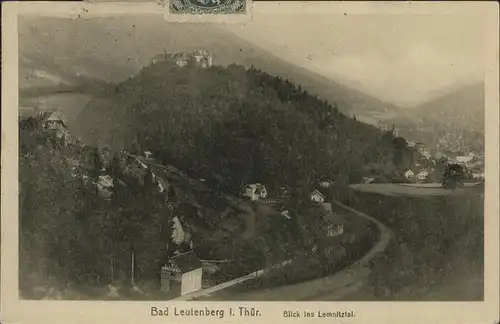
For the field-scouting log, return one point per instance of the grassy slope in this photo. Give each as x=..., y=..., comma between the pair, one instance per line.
x=439, y=243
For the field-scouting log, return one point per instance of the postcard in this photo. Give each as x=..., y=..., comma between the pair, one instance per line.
x=234, y=162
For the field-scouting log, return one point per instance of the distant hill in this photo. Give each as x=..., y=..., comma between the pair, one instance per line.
x=64, y=55
x=463, y=107
x=455, y=119
x=232, y=126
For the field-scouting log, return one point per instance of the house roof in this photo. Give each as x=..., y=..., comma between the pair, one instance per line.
x=255, y=186
x=106, y=180
x=50, y=116
x=186, y=262
x=317, y=192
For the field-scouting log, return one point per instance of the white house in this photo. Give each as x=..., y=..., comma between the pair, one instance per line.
x=422, y=175
x=105, y=186
x=254, y=191
x=409, y=174
x=317, y=197
x=185, y=269
x=53, y=122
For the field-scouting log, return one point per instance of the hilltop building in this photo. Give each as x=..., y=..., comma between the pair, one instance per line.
x=51, y=121
x=201, y=57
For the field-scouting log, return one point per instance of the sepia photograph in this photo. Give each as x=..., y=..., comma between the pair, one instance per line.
x=301, y=156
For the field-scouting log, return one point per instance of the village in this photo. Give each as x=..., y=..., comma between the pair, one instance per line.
x=186, y=273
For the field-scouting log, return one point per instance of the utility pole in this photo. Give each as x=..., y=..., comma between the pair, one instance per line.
x=133, y=268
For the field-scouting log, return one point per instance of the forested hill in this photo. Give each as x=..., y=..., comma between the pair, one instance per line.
x=233, y=125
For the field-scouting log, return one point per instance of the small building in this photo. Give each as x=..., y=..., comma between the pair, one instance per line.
x=422, y=175
x=184, y=270
x=409, y=174
x=53, y=122
x=105, y=186
x=317, y=197
x=254, y=191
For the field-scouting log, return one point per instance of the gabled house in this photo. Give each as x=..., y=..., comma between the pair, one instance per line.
x=317, y=197
x=254, y=191
x=409, y=174
x=184, y=270
x=423, y=175
x=53, y=122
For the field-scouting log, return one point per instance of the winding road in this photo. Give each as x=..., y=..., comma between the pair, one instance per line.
x=352, y=282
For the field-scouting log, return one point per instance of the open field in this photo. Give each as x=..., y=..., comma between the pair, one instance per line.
x=438, y=250
x=409, y=189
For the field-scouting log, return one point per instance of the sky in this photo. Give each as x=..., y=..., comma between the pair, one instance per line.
x=401, y=59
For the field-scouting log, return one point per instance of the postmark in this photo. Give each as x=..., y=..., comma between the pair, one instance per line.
x=318, y=157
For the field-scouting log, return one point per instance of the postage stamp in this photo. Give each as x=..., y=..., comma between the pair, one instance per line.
x=208, y=11
x=201, y=7
x=320, y=156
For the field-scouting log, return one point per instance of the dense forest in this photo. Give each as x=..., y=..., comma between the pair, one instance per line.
x=228, y=126
x=69, y=235
x=233, y=125
x=73, y=238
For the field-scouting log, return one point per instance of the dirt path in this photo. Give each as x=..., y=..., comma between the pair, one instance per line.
x=335, y=286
